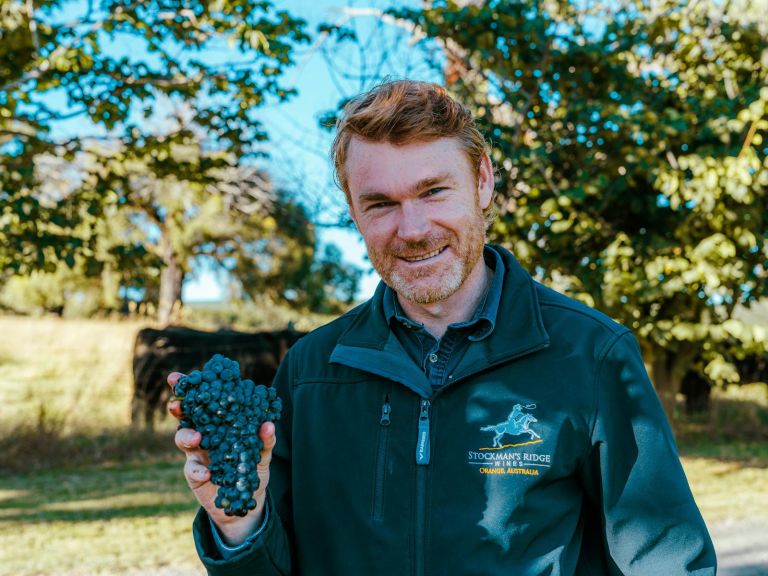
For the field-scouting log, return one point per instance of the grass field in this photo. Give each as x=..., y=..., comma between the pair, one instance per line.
x=97, y=520
x=82, y=494
x=72, y=374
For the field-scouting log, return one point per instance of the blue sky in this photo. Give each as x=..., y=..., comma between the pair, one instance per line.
x=298, y=147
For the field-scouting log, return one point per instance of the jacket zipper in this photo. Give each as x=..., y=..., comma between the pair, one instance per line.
x=422, y=444
x=422, y=460
x=381, y=460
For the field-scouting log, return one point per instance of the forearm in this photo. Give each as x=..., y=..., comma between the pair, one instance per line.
x=230, y=549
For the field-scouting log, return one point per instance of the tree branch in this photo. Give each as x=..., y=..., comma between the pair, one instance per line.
x=45, y=63
x=33, y=26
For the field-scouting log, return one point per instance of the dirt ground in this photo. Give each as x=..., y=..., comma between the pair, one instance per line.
x=742, y=547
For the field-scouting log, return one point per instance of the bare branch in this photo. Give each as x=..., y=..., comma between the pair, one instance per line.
x=748, y=139
x=33, y=26
x=332, y=74
x=415, y=30
x=552, y=186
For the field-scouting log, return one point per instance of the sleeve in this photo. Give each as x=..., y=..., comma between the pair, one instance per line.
x=634, y=479
x=227, y=552
x=268, y=552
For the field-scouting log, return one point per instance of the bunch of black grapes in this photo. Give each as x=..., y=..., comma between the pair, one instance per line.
x=228, y=413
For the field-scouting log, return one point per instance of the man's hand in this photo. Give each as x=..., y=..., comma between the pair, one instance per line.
x=234, y=529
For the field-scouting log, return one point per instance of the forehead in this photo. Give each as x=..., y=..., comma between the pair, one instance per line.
x=386, y=167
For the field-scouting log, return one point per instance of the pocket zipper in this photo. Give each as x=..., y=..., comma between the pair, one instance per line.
x=381, y=460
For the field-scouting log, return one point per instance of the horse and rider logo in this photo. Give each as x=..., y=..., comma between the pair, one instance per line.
x=518, y=458
x=517, y=423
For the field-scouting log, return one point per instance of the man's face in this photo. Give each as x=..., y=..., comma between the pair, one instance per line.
x=419, y=208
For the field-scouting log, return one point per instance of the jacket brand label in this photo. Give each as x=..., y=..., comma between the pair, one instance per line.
x=512, y=458
x=422, y=443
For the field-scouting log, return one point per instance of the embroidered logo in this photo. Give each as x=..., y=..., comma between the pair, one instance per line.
x=518, y=422
x=508, y=459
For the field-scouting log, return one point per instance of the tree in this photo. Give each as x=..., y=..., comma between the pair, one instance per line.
x=112, y=64
x=331, y=285
x=633, y=170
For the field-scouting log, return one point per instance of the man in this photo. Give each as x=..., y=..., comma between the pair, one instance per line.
x=384, y=461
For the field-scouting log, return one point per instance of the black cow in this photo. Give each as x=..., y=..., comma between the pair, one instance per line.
x=156, y=353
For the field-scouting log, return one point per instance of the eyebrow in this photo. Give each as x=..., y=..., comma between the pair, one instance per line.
x=424, y=183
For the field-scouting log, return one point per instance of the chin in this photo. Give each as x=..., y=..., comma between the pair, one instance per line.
x=425, y=294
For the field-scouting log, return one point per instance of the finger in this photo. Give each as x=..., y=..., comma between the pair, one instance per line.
x=187, y=439
x=267, y=434
x=174, y=408
x=196, y=473
x=173, y=377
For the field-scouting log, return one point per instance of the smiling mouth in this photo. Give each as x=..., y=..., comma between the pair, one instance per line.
x=423, y=256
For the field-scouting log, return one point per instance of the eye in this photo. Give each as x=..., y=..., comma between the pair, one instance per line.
x=378, y=206
x=433, y=191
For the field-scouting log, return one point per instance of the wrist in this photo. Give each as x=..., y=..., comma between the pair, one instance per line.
x=235, y=530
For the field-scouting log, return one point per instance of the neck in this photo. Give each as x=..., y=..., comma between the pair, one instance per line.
x=458, y=307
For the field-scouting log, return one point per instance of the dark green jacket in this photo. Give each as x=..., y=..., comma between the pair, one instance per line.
x=547, y=453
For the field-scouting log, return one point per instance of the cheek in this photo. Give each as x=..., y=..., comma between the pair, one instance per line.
x=452, y=218
x=383, y=223
x=376, y=233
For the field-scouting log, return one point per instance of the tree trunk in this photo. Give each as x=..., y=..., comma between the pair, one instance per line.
x=110, y=289
x=697, y=391
x=171, y=279
x=663, y=380
x=667, y=369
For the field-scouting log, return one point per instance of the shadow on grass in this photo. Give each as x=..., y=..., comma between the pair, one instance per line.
x=91, y=483
x=46, y=476
x=43, y=445
x=88, y=515
x=97, y=492
x=732, y=431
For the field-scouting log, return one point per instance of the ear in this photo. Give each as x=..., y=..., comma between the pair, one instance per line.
x=485, y=181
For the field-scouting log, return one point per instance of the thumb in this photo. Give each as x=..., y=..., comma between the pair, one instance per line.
x=267, y=435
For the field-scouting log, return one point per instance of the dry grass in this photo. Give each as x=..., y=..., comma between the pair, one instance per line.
x=725, y=454
x=728, y=489
x=74, y=375
x=97, y=520
x=80, y=493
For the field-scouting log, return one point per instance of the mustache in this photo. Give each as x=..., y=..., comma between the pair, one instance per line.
x=415, y=248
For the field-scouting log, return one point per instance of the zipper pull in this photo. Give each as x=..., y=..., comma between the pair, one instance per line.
x=386, y=409
x=422, y=445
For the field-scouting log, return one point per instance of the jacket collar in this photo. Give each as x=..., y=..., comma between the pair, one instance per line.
x=369, y=344
x=483, y=319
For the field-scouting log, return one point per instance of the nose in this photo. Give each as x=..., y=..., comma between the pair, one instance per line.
x=414, y=222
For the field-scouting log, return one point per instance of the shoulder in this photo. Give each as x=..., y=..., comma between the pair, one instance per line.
x=555, y=303
x=567, y=317
x=564, y=319
x=322, y=340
